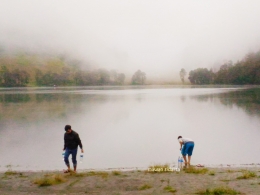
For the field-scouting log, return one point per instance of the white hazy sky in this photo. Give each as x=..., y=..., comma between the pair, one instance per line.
x=157, y=36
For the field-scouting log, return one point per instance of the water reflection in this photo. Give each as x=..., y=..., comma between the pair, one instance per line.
x=14, y=98
x=33, y=107
x=247, y=99
x=128, y=127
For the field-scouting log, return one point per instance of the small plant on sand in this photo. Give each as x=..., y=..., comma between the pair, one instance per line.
x=10, y=171
x=50, y=180
x=159, y=169
x=169, y=189
x=116, y=173
x=212, y=173
x=225, y=180
x=230, y=171
x=218, y=191
x=76, y=174
x=195, y=170
x=247, y=175
x=145, y=187
x=21, y=175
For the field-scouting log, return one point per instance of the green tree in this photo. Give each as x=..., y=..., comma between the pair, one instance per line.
x=121, y=79
x=201, y=76
x=3, y=75
x=138, y=78
x=38, y=77
x=183, y=74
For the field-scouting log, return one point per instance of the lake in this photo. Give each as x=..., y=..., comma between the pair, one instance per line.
x=129, y=126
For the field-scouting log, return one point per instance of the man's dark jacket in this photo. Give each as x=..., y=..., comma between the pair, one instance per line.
x=72, y=140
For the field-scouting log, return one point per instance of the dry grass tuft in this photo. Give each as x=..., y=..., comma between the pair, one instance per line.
x=49, y=180
x=195, y=170
x=231, y=171
x=75, y=174
x=102, y=174
x=218, y=191
x=169, y=189
x=212, y=173
x=116, y=173
x=247, y=175
x=10, y=172
x=145, y=187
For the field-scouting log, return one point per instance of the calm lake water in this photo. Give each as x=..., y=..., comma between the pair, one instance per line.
x=129, y=127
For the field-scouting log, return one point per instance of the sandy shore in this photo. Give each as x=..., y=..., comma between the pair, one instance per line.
x=245, y=180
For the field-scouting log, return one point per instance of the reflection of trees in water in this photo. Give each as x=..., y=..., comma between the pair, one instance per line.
x=204, y=98
x=40, y=107
x=14, y=98
x=248, y=100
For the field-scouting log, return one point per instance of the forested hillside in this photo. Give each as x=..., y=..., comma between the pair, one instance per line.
x=35, y=70
x=246, y=71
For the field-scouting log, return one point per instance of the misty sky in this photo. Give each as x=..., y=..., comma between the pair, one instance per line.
x=157, y=36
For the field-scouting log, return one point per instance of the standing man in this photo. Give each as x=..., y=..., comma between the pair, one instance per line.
x=187, y=146
x=71, y=143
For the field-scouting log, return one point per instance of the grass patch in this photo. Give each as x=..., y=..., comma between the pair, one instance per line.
x=75, y=174
x=145, y=187
x=159, y=169
x=225, y=180
x=169, y=189
x=22, y=176
x=247, y=175
x=49, y=180
x=212, y=173
x=10, y=172
x=102, y=174
x=218, y=191
x=116, y=173
x=231, y=171
x=195, y=170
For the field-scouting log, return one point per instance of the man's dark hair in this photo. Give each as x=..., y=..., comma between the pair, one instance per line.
x=179, y=137
x=67, y=127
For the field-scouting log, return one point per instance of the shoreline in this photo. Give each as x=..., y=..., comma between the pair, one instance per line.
x=246, y=165
x=123, y=181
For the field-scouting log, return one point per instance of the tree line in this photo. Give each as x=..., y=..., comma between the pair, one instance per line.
x=26, y=70
x=30, y=70
x=246, y=71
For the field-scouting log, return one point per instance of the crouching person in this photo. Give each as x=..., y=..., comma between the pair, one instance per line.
x=186, y=147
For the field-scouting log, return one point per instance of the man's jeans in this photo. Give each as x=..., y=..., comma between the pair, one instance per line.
x=73, y=152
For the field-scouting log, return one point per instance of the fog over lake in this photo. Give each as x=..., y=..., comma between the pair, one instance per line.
x=128, y=126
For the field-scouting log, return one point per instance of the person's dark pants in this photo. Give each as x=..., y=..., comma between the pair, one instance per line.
x=73, y=152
